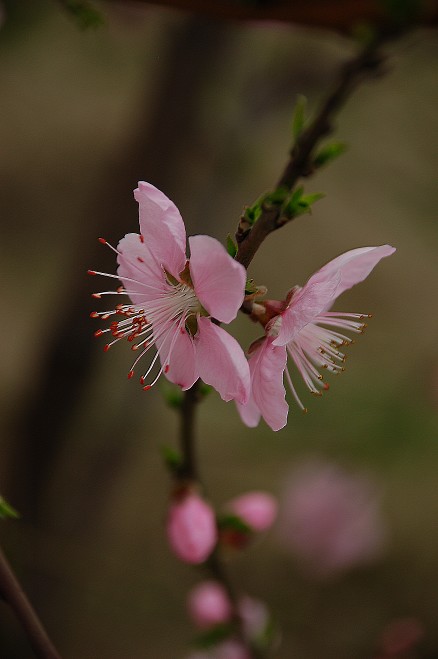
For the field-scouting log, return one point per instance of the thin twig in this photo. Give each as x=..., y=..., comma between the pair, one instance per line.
x=368, y=62
x=13, y=594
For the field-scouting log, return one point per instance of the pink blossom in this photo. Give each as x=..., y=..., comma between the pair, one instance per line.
x=173, y=301
x=293, y=329
x=331, y=518
x=191, y=528
x=254, y=615
x=208, y=604
x=257, y=509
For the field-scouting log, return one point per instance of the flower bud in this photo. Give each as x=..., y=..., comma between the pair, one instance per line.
x=257, y=509
x=191, y=528
x=208, y=604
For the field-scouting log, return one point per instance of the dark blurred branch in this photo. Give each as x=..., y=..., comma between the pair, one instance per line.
x=13, y=594
x=367, y=63
x=340, y=15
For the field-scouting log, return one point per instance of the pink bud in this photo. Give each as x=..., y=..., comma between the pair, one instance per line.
x=257, y=509
x=208, y=604
x=191, y=529
x=254, y=615
x=231, y=650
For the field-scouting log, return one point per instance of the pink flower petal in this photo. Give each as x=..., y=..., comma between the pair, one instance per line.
x=181, y=362
x=162, y=228
x=138, y=270
x=306, y=303
x=257, y=509
x=249, y=413
x=322, y=289
x=221, y=362
x=219, y=281
x=208, y=604
x=191, y=529
x=266, y=364
x=352, y=267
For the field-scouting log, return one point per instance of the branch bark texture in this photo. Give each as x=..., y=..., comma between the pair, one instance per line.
x=14, y=595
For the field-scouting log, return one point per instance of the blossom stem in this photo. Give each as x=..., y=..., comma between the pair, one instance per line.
x=189, y=467
x=13, y=594
x=366, y=63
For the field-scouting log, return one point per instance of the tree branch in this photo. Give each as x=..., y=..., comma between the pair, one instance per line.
x=13, y=594
x=367, y=63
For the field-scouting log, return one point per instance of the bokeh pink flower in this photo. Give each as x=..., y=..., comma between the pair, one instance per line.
x=331, y=519
x=173, y=300
x=208, y=604
x=295, y=329
x=191, y=528
x=257, y=510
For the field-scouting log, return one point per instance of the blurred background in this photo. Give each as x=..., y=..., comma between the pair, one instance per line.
x=202, y=109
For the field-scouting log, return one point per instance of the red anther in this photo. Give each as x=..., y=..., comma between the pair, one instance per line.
x=102, y=240
x=142, y=380
x=114, y=324
x=141, y=238
x=120, y=289
x=94, y=314
x=130, y=374
x=166, y=368
x=147, y=387
x=96, y=295
x=106, y=348
x=131, y=337
x=326, y=386
x=140, y=260
x=98, y=333
x=91, y=272
x=105, y=316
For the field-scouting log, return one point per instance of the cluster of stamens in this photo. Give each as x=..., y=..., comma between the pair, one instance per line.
x=166, y=317
x=317, y=347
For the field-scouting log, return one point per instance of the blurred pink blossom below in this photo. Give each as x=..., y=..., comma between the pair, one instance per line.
x=191, y=528
x=331, y=518
x=257, y=509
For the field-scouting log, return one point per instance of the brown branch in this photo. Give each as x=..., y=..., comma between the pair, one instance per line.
x=368, y=62
x=339, y=15
x=13, y=594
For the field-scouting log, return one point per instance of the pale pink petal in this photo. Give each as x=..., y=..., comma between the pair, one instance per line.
x=177, y=356
x=221, y=362
x=208, y=604
x=326, y=285
x=249, y=413
x=138, y=270
x=218, y=280
x=257, y=509
x=305, y=305
x=352, y=267
x=267, y=364
x=162, y=228
x=191, y=529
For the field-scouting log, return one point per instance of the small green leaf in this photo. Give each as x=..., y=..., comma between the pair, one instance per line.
x=172, y=394
x=7, y=511
x=231, y=246
x=204, y=389
x=310, y=199
x=276, y=197
x=250, y=287
x=84, y=13
x=299, y=204
x=213, y=636
x=329, y=152
x=233, y=523
x=299, y=117
x=171, y=457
